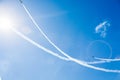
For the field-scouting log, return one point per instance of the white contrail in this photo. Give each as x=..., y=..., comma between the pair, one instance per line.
x=93, y=67
x=83, y=63
x=38, y=45
x=97, y=62
x=103, y=60
x=41, y=31
x=69, y=58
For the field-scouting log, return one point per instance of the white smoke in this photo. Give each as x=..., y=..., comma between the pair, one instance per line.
x=80, y=62
x=67, y=57
x=102, y=28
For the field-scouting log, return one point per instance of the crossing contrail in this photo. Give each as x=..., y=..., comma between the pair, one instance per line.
x=69, y=58
x=38, y=45
x=41, y=31
x=83, y=63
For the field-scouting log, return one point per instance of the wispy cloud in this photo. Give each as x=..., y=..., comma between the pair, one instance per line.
x=102, y=28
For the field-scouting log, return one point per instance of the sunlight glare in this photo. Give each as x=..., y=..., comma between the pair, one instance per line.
x=5, y=23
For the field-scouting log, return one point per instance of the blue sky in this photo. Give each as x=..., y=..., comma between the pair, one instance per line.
x=70, y=24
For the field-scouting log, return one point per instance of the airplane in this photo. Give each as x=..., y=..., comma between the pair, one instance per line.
x=21, y=1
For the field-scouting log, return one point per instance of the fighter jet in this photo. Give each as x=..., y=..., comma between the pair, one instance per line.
x=21, y=1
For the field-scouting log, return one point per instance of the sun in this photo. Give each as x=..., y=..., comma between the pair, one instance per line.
x=5, y=23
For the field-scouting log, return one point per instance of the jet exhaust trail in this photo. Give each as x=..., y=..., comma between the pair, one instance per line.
x=69, y=58
x=38, y=45
x=103, y=60
x=83, y=63
x=41, y=31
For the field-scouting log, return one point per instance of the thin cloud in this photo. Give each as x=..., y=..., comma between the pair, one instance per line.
x=102, y=28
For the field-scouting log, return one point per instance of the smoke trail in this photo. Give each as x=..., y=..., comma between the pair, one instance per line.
x=60, y=57
x=103, y=60
x=97, y=62
x=38, y=45
x=93, y=67
x=41, y=31
x=69, y=58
